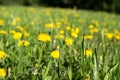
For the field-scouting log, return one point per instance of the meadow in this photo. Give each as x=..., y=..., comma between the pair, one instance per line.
x=38, y=43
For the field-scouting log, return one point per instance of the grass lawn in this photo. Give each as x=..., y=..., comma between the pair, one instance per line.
x=38, y=43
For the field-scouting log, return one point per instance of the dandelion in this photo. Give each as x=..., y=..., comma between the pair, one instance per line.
x=68, y=27
x=109, y=35
x=1, y=22
x=49, y=25
x=2, y=32
x=61, y=32
x=55, y=54
x=3, y=54
x=26, y=43
x=23, y=42
x=69, y=41
x=88, y=37
x=74, y=34
x=88, y=52
x=44, y=37
x=20, y=43
x=17, y=35
x=2, y=72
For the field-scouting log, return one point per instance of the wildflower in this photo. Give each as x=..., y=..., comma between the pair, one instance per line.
x=94, y=30
x=74, y=34
x=20, y=43
x=44, y=37
x=55, y=54
x=26, y=34
x=23, y=42
x=61, y=31
x=58, y=24
x=3, y=54
x=88, y=52
x=68, y=41
x=56, y=36
x=26, y=43
x=68, y=27
x=12, y=32
x=1, y=22
x=77, y=30
x=17, y=35
x=49, y=25
x=88, y=37
x=91, y=26
x=61, y=36
x=2, y=72
x=109, y=35
x=2, y=32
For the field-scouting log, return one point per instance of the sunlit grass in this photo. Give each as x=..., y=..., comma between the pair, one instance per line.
x=58, y=44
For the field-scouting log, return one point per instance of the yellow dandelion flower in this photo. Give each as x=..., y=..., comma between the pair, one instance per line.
x=88, y=37
x=26, y=43
x=69, y=41
x=91, y=26
x=3, y=55
x=44, y=37
x=2, y=72
x=17, y=35
x=61, y=36
x=1, y=22
x=20, y=43
x=26, y=34
x=56, y=36
x=12, y=32
x=88, y=52
x=55, y=54
x=109, y=35
x=49, y=25
x=68, y=27
x=74, y=34
x=61, y=32
x=2, y=32
x=77, y=30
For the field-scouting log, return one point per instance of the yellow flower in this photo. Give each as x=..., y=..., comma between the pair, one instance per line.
x=74, y=34
x=12, y=32
x=49, y=25
x=109, y=35
x=61, y=31
x=55, y=54
x=58, y=24
x=88, y=52
x=17, y=35
x=23, y=42
x=44, y=37
x=20, y=28
x=94, y=30
x=26, y=34
x=20, y=43
x=68, y=27
x=77, y=30
x=1, y=22
x=2, y=72
x=2, y=32
x=3, y=55
x=88, y=37
x=26, y=43
x=61, y=36
x=91, y=26
x=68, y=41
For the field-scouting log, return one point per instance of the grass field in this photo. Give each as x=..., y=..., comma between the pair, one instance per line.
x=38, y=43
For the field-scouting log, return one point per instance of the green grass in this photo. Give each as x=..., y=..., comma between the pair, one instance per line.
x=103, y=64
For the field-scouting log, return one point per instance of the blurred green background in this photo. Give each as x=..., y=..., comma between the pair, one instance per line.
x=107, y=5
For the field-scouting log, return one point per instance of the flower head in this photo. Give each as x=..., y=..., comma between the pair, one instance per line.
x=88, y=52
x=3, y=54
x=17, y=35
x=55, y=54
x=44, y=37
x=2, y=72
x=69, y=41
